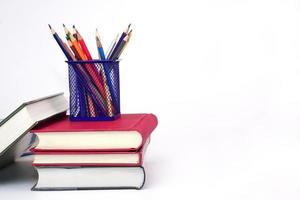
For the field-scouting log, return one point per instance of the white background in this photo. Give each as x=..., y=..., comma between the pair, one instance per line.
x=223, y=77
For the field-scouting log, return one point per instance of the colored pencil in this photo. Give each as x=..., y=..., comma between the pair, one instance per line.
x=99, y=46
x=127, y=41
x=78, y=37
x=117, y=46
x=71, y=57
x=75, y=33
x=112, y=46
x=75, y=43
x=78, y=50
x=94, y=72
x=82, y=44
x=91, y=106
x=122, y=45
x=96, y=92
x=80, y=72
x=105, y=76
x=96, y=78
x=60, y=43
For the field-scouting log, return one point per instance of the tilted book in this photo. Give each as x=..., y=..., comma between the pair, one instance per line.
x=14, y=128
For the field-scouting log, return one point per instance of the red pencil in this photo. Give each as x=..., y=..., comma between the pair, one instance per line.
x=91, y=69
x=102, y=77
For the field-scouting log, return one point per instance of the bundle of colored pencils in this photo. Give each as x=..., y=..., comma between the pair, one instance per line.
x=96, y=78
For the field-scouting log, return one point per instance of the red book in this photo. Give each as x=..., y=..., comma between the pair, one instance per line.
x=128, y=133
x=87, y=158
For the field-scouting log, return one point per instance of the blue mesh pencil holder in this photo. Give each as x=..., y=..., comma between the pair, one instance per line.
x=94, y=90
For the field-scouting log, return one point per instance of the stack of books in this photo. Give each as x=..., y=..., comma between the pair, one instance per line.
x=92, y=154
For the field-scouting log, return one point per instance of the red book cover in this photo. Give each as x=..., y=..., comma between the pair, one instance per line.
x=144, y=124
x=139, y=154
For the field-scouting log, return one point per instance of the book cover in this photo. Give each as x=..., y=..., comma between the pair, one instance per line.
x=136, y=127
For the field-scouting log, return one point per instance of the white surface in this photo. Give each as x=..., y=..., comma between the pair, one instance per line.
x=222, y=76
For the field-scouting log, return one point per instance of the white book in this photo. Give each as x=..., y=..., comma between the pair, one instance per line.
x=89, y=178
x=14, y=128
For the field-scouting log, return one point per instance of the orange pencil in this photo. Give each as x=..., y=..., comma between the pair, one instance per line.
x=81, y=55
x=75, y=43
x=84, y=48
x=98, y=95
x=103, y=80
x=89, y=98
x=102, y=73
x=82, y=44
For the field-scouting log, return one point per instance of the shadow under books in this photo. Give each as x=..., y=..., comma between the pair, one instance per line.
x=18, y=172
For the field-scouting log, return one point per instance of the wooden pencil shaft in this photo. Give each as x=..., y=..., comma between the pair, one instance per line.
x=108, y=88
x=117, y=52
x=74, y=51
x=82, y=56
x=117, y=46
x=112, y=46
x=122, y=49
x=91, y=71
x=85, y=77
x=60, y=43
x=127, y=39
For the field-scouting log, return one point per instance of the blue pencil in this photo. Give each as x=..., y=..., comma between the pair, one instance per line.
x=118, y=45
x=82, y=76
x=60, y=43
x=106, y=78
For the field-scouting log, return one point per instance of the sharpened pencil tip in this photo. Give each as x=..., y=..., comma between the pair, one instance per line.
x=52, y=30
x=97, y=33
x=66, y=30
x=128, y=28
